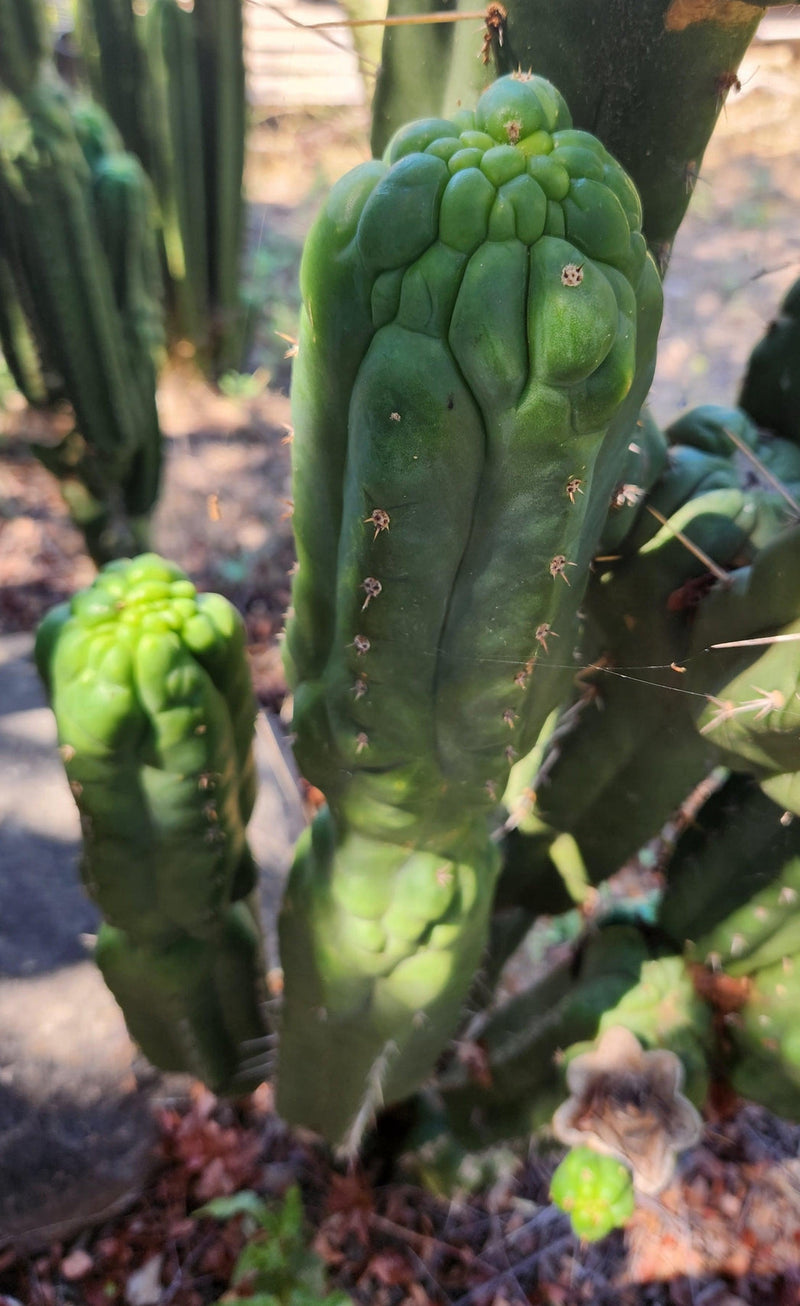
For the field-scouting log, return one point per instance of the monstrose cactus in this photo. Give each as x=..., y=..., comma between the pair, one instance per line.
x=480, y=315
x=152, y=696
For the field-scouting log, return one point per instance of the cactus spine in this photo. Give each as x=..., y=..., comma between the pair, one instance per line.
x=152, y=697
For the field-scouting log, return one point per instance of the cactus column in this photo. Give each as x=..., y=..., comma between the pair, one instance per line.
x=478, y=335
x=152, y=696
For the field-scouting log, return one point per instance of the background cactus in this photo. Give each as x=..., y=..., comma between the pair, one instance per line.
x=173, y=81
x=771, y=388
x=151, y=691
x=415, y=632
x=81, y=315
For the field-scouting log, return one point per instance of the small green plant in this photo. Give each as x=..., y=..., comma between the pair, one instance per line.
x=276, y=1266
x=596, y=1192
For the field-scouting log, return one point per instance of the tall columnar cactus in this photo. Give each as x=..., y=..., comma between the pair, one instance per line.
x=24, y=43
x=477, y=338
x=79, y=297
x=220, y=45
x=110, y=43
x=650, y=86
x=186, y=119
x=154, y=706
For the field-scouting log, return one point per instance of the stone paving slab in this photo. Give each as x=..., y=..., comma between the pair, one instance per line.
x=76, y=1120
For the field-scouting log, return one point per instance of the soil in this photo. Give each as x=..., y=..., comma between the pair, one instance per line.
x=727, y=1230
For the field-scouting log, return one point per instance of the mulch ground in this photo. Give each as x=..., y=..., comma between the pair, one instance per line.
x=726, y=1231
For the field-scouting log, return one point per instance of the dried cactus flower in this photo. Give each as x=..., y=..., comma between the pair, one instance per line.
x=627, y=1103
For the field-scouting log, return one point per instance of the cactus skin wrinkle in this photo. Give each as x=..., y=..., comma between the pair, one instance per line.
x=477, y=337
x=151, y=691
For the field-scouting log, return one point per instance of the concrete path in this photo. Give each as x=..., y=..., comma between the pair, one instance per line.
x=76, y=1126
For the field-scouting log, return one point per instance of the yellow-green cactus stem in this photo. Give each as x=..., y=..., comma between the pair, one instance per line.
x=155, y=711
x=595, y=1191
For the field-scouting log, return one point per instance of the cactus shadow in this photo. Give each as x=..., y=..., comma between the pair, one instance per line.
x=43, y=907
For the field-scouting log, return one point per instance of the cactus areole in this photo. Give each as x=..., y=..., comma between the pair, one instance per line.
x=478, y=334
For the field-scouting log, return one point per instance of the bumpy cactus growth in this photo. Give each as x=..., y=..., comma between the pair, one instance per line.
x=596, y=1192
x=152, y=697
x=477, y=337
x=650, y=83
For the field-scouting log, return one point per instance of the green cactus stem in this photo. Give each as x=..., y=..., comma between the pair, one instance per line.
x=151, y=692
x=477, y=336
x=731, y=900
x=763, y=1047
x=19, y=348
x=771, y=388
x=626, y=752
x=195, y=1006
x=380, y=944
x=595, y=1191
x=109, y=38
x=752, y=714
x=651, y=86
x=523, y=1041
x=155, y=711
x=76, y=239
x=220, y=52
x=24, y=43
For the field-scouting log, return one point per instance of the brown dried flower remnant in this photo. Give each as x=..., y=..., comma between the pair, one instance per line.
x=627, y=1103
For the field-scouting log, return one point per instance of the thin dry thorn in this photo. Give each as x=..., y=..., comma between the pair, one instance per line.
x=722, y=576
x=294, y=346
x=289, y=436
x=760, y=639
x=764, y=471
x=289, y=509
